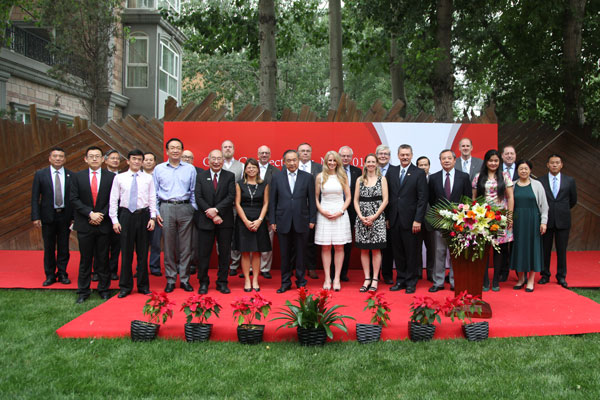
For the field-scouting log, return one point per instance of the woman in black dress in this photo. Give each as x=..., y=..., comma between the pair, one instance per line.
x=251, y=236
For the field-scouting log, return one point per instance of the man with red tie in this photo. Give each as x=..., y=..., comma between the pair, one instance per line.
x=90, y=193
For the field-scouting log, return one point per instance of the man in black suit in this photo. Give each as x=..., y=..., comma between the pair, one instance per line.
x=51, y=210
x=307, y=165
x=215, y=193
x=467, y=163
x=383, y=153
x=90, y=194
x=154, y=236
x=188, y=157
x=561, y=194
x=267, y=170
x=426, y=236
x=407, y=187
x=292, y=214
x=451, y=185
x=346, y=153
x=112, y=160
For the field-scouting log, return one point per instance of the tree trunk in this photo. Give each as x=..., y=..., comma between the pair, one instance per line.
x=336, y=73
x=397, y=75
x=443, y=76
x=268, y=56
x=572, y=33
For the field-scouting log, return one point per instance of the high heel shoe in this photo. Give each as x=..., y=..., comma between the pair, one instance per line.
x=327, y=285
x=519, y=286
x=247, y=289
x=373, y=288
x=366, y=287
x=529, y=290
x=337, y=288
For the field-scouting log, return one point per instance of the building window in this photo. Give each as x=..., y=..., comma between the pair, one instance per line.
x=172, y=5
x=140, y=4
x=137, y=61
x=168, y=80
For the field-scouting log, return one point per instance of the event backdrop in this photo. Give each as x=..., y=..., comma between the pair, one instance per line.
x=427, y=139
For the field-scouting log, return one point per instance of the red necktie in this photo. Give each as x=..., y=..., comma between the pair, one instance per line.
x=215, y=181
x=94, y=188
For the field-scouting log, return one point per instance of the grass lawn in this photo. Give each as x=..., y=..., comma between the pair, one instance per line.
x=37, y=364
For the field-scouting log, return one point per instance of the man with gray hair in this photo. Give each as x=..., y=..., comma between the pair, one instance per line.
x=346, y=153
x=232, y=165
x=383, y=153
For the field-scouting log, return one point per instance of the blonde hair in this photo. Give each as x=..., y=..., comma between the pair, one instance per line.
x=339, y=169
x=363, y=178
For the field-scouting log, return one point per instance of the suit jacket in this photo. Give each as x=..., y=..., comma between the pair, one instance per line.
x=476, y=164
x=271, y=170
x=81, y=196
x=42, y=196
x=237, y=168
x=355, y=172
x=559, y=208
x=286, y=207
x=515, y=174
x=315, y=168
x=222, y=198
x=408, y=201
x=460, y=188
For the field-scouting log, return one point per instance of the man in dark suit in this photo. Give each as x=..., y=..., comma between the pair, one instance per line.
x=188, y=157
x=51, y=210
x=215, y=193
x=292, y=214
x=467, y=163
x=426, y=236
x=90, y=194
x=561, y=194
x=451, y=185
x=155, y=235
x=408, y=195
x=383, y=153
x=112, y=160
x=346, y=153
x=267, y=170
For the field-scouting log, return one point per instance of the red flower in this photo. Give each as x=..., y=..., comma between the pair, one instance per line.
x=453, y=234
x=302, y=292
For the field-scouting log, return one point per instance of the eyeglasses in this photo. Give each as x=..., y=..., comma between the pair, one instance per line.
x=383, y=154
x=216, y=158
x=93, y=156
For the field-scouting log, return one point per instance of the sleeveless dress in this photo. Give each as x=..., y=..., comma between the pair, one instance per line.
x=244, y=240
x=369, y=200
x=527, y=253
x=337, y=231
x=491, y=197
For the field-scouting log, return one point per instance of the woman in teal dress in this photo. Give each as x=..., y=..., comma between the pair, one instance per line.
x=529, y=224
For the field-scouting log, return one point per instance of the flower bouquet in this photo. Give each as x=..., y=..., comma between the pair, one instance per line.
x=245, y=310
x=202, y=308
x=380, y=309
x=159, y=309
x=313, y=317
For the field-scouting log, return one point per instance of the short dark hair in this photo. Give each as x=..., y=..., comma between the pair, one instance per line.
x=111, y=151
x=150, y=153
x=173, y=140
x=135, y=152
x=555, y=155
x=405, y=147
x=56, y=148
x=285, y=153
x=423, y=158
x=528, y=162
x=509, y=145
x=93, y=148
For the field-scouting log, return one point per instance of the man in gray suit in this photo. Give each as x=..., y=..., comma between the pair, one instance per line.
x=232, y=165
x=466, y=163
x=267, y=170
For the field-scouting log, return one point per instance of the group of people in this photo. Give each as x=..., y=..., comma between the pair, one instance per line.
x=379, y=209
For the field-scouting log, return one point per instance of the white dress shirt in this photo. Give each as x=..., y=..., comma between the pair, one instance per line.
x=119, y=194
x=466, y=164
x=263, y=170
x=305, y=167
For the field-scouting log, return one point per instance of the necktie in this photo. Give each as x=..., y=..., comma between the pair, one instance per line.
x=555, y=187
x=292, y=181
x=465, y=166
x=509, y=170
x=402, y=175
x=94, y=187
x=447, y=186
x=215, y=181
x=58, y=197
x=303, y=168
x=133, y=194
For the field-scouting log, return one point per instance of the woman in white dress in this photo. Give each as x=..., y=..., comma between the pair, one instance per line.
x=333, y=225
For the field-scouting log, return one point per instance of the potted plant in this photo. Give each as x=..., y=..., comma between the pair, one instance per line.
x=462, y=307
x=159, y=309
x=202, y=308
x=380, y=309
x=424, y=314
x=245, y=310
x=312, y=317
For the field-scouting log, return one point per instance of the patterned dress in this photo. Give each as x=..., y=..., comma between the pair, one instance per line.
x=491, y=197
x=369, y=200
x=337, y=231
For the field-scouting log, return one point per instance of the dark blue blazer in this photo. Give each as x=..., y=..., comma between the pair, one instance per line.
x=42, y=196
x=408, y=202
x=286, y=207
x=559, y=208
x=81, y=196
x=460, y=188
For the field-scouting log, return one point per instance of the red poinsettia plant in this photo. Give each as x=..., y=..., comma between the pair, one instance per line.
x=158, y=308
x=425, y=310
x=462, y=306
x=246, y=309
x=200, y=307
x=379, y=308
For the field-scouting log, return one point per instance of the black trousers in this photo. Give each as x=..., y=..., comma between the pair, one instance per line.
x=387, y=258
x=114, y=249
x=56, y=246
x=206, y=240
x=405, y=250
x=134, y=236
x=559, y=237
x=292, y=243
x=93, y=248
x=426, y=237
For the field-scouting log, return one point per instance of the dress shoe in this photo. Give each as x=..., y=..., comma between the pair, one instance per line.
x=248, y=290
x=64, y=280
x=411, y=289
x=144, y=291
x=344, y=279
x=187, y=287
x=193, y=270
x=543, y=280
x=397, y=286
x=169, y=288
x=503, y=278
x=115, y=277
x=388, y=281
x=81, y=299
x=313, y=274
x=266, y=275
x=434, y=289
x=452, y=287
x=123, y=293
x=299, y=285
x=284, y=289
x=256, y=289
x=232, y=272
x=105, y=295
x=563, y=283
x=223, y=289
x=49, y=281
x=495, y=288
x=529, y=290
x=156, y=273
x=95, y=278
x=203, y=288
